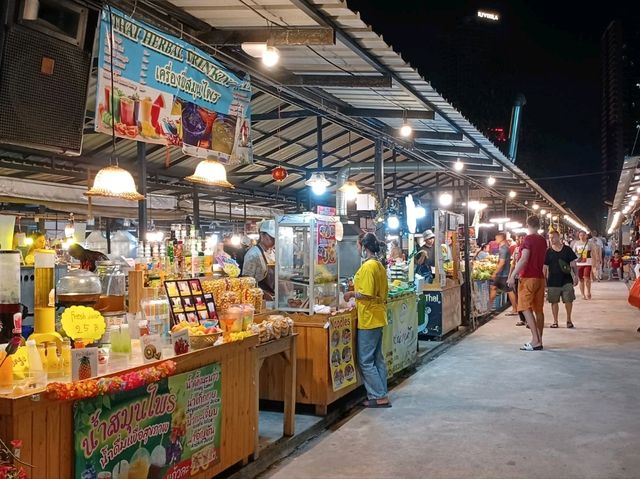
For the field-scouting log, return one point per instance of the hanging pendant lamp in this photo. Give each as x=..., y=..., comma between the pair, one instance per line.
x=210, y=173
x=350, y=190
x=114, y=182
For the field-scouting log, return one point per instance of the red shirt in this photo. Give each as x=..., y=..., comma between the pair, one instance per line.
x=616, y=263
x=537, y=246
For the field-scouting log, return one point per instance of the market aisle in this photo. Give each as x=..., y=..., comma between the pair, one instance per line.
x=484, y=409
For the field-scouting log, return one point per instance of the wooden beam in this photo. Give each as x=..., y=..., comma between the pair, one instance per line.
x=385, y=113
x=273, y=36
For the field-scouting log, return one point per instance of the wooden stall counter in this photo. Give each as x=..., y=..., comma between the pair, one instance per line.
x=322, y=375
x=48, y=428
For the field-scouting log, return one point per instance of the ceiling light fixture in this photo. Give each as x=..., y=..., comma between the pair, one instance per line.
x=210, y=173
x=350, y=190
x=393, y=222
x=318, y=183
x=543, y=212
x=536, y=206
x=270, y=56
x=512, y=194
x=114, y=182
x=458, y=165
x=446, y=199
x=491, y=181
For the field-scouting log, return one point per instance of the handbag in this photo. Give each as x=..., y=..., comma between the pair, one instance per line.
x=634, y=294
x=564, y=266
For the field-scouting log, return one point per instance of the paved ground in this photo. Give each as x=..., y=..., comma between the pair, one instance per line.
x=484, y=409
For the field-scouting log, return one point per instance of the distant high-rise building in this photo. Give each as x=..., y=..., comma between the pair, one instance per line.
x=467, y=63
x=620, y=101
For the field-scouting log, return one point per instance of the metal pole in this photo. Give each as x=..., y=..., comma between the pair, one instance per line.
x=196, y=209
x=108, y=235
x=379, y=172
x=467, y=263
x=142, y=186
x=319, y=140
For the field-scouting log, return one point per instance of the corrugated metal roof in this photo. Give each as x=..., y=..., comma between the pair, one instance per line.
x=292, y=141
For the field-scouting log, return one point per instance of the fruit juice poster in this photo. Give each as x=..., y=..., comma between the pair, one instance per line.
x=341, y=351
x=168, y=429
x=167, y=91
x=402, y=315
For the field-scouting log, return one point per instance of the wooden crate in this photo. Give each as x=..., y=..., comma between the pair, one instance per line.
x=46, y=427
x=313, y=373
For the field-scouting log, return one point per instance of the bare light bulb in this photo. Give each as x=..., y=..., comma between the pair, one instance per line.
x=491, y=181
x=512, y=194
x=445, y=199
x=270, y=57
x=406, y=130
x=458, y=165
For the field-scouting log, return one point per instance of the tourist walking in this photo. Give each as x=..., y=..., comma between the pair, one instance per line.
x=370, y=292
x=582, y=248
x=531, y=283
x=562, y=275
x=597, y=247
x=500, y=276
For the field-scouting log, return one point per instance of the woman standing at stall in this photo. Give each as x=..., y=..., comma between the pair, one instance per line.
x=370, y=291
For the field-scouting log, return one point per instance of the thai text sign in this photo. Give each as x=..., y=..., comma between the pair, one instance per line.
x=168, y=429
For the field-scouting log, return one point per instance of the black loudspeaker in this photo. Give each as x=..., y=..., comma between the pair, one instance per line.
x=43, y=91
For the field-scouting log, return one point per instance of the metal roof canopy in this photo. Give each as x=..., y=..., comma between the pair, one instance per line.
x=628, y=186
x=311, y=81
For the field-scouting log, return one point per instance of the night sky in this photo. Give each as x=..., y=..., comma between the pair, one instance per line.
x=553, y=50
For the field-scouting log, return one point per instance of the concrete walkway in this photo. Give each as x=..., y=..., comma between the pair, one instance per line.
x=484, y=409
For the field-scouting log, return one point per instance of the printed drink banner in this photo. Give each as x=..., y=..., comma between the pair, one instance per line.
x=341, y=351
x=169, y=92
x=403, y=312
x=168, y=429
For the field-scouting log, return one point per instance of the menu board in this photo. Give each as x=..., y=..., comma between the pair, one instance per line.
x=168, y=429
x=188, y=301
x=327, y=251
x=403, y=321
x=342, y=351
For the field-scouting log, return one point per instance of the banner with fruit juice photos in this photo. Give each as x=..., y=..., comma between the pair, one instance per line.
x=168, y=429
x=166, y=91
x=342, y=351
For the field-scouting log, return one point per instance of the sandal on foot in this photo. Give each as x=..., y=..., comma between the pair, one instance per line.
x=529, y=347
x=555, y=325
x=520, y=323
x=569, y=325
x=373, y=403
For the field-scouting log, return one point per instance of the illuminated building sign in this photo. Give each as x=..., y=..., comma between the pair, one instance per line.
x=488, y=15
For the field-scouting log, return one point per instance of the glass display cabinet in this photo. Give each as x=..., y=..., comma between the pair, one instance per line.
x=306, y=262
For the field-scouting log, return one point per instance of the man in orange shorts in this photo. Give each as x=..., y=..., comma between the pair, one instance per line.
x=530, y=270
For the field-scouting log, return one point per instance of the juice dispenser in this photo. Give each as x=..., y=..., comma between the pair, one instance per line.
x=9, y=292
x=44, y=324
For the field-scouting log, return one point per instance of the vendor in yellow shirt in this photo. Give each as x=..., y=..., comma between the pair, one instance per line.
x=371, y=289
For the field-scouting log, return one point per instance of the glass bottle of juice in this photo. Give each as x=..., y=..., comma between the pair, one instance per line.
x=53, y=362
x=125, y=338
x=6, y=371
x=65, y=357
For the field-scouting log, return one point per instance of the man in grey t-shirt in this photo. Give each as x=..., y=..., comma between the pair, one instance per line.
x=499, y=278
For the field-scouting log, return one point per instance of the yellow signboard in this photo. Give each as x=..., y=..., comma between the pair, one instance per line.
x=82, y=322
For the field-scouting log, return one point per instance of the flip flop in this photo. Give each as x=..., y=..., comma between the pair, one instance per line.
x=569, y=325
x=520, y=323
x=372, y=403
x=555, y=325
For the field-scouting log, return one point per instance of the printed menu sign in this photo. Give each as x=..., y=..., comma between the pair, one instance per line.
x=326, y=243
x=341, y=351
x=168, y=429
x=166, y=91
x=403, y=322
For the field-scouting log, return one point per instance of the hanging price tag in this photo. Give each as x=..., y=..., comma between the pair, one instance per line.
x=82, y=322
